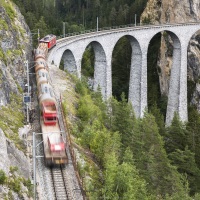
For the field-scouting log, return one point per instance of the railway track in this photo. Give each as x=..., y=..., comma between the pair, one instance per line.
x=59, y=183
x=74, y=191
x=52, y=183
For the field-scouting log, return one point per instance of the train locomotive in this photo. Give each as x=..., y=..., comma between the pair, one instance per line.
x=53, y=142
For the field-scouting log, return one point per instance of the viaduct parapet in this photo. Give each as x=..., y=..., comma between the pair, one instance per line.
x=71, y=49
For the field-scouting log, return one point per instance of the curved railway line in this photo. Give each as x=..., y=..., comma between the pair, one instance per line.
x=57, y=182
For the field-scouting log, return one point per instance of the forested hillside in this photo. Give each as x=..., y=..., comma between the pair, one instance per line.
x=137, y=158
x=48, y=15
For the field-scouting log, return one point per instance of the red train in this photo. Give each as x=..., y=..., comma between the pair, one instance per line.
x=50, y=40
x=53, y=141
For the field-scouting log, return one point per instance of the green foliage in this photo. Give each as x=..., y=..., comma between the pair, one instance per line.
x=146, y=20
x=29, y=186
x=152, y=160
x=197, y=196
x=150, y=171
x=81, y=87
x=61, y=66
x=9, y=9
x=193, y=128
x=87, y=111
x=10, y=196
x=129, y=184
x=121, y=62
x=176, y=135
x=182, y=147
x=122, y=181
x=88, y=62
x=3, y=24
x=12, y=119
x=2, y=55
x=13, y=169
x=155, y=111
x=79, y=15
x=43, y=28
x=153, y=91
x=75, y=28
x=123, y=119
x=15, y=184
x=185, y=162
x=190, y=88
x=11, y=54
x=108, y=130
x=2, y=177
x=106, y=145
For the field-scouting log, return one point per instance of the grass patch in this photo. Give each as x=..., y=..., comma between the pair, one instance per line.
x=3, y=24
x=2, y=55
x=9, y=9
x=14, y=182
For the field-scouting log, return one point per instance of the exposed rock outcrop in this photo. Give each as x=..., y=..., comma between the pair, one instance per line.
x=172, y=11
x=15, y=48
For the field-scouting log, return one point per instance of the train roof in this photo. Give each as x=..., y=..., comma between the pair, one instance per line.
x=47, y=38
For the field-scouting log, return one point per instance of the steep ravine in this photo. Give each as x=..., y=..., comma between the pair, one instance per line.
x=15, y=49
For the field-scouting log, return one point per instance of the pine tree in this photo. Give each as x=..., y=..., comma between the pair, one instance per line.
x=123, y=119
x=161, y=177
x=185, y=162
x=193, y=128
x=128, y=182
x=176, y=135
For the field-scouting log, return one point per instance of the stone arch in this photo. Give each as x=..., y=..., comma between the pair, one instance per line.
x=175, y=76
x=100, y=64
x=173, y=104
x=134, y=93
x=69, y=61
x=135, y=76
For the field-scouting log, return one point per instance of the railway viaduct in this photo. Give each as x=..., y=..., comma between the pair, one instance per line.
x=71, y=49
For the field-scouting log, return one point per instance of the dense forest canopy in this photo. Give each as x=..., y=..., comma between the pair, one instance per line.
x=157, y=162
x=50, y=14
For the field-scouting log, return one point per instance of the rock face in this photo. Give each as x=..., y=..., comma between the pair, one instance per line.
x=5, y=162
x=11, y=156
x=172, y=11
x=175, y=11
x=15, y=48
x=14, y=42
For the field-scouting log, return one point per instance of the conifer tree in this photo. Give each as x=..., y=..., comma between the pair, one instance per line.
x=123, y=119
x=176, y=135
x=185, y=162
x=161, y=177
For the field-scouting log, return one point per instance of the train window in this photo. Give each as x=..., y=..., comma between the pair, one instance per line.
x=51, y=118
x=51, y=92
x=46, y=89
x=39, y=73
x=46, y=38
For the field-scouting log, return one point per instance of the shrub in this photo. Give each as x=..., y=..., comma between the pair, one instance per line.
x=2, y=177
